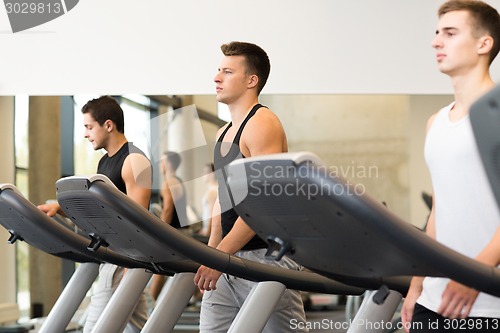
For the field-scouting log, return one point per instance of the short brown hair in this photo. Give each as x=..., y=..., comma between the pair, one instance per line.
x=485, y=19
x=256, y=59
x=104, y=108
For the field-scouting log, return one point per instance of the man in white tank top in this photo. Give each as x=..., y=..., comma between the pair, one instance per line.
x=464, y=215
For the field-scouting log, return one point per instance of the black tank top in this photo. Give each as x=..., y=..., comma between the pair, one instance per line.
x=225, y=153
x=180, y=213
x=112, y=166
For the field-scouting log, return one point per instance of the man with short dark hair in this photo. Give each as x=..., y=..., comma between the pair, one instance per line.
x=130, y=171
x=254, y=130
x=464, y=214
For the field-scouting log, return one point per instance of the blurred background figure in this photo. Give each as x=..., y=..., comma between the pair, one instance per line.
x=173, y=193
x=208, y=199
x=173, y=206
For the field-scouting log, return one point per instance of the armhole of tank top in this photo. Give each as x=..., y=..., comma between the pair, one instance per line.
x=252, y=112
x=223, y=134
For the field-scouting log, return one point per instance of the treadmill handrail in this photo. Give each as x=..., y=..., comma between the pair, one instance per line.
x=374, y=216
x=150, y=224
x=8, y=186
x=297, y=158
x=35, y=219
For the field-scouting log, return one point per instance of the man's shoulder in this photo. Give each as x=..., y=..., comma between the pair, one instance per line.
x=264, y=118
x=264, y=110
x=135, y=153
x=264, y=133
x=133, y=149
x=443, y=110
x=135, y=158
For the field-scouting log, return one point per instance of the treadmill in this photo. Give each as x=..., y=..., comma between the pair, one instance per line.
x=115, y=221
x=485, y=122
x=25, y=222
x=325, y=223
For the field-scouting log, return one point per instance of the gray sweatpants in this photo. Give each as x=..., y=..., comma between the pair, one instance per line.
x=219, y=307
x=109, y=277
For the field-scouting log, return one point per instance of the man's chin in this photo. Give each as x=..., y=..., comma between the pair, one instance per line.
x=444, y=69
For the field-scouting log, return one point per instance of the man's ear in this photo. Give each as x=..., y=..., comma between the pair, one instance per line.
x=253, y=80
x=109, y=125
x=485, y=44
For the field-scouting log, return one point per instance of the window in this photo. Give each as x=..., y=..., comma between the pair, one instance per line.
x=137, y=121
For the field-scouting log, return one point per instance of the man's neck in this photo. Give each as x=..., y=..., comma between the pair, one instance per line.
x=470, y=88
x=240, y=109
x=115, y=143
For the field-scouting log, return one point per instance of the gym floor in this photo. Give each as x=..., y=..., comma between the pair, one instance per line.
x=331, y=321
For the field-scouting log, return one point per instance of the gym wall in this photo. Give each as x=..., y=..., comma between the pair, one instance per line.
x=7, y=172
x=172, y=47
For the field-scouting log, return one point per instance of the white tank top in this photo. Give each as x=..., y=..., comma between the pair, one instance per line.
x=467, y=214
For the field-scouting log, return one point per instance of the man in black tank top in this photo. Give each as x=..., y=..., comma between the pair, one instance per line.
x=253, y=130
x=130, y=170
x=112, y=166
